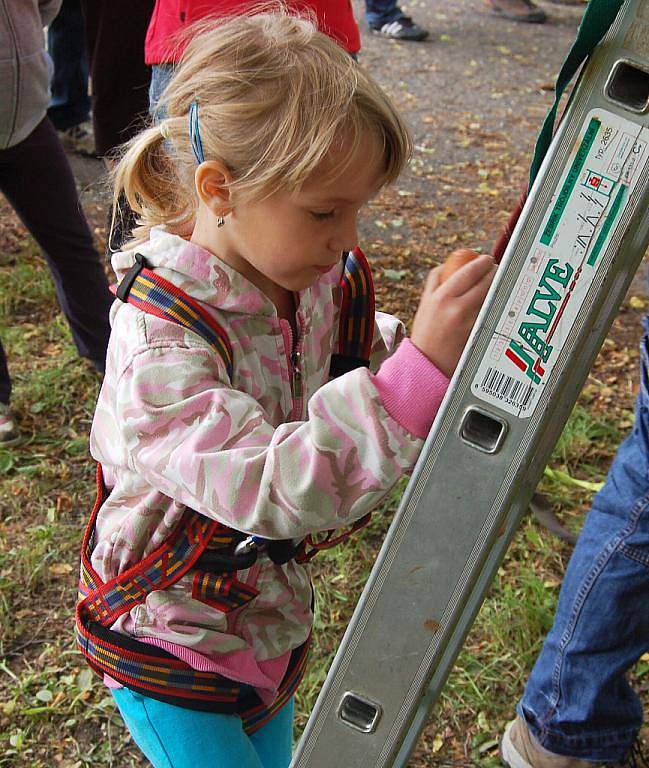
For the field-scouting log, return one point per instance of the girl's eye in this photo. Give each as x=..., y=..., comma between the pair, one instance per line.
x=320, y=216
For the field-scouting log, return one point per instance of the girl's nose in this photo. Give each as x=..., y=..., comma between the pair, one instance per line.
x=345, y=238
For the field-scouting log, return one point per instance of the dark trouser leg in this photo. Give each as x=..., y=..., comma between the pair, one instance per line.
x=5, y=381
x=37, y=180
x=120, y=78
x=66, y=44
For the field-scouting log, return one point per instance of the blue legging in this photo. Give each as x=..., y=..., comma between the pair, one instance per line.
x=175, y=737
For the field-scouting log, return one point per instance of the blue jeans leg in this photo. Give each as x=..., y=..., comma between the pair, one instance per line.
x=380, y=12
x=577, y=700
x=66, y=43
x=161, y=74
x=175, y=737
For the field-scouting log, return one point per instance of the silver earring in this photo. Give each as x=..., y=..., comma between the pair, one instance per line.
x=220, y=221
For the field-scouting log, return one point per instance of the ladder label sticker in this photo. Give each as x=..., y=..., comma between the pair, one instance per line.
x=588, y=203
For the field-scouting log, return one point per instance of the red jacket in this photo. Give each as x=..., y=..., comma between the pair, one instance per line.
x=171, y=17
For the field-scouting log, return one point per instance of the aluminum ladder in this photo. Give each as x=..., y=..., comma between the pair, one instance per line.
x=578, y=242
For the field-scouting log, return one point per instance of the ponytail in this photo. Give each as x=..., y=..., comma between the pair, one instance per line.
x=147, y=179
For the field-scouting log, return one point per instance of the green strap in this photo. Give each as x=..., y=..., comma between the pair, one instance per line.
x=597, y=20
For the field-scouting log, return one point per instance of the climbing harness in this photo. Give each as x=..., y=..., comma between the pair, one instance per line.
x=212, y=551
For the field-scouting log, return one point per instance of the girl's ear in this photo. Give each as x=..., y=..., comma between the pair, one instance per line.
x=212, y=180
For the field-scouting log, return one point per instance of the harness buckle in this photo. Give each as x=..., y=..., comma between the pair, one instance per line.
x=124, y=288
x=215, y=561
x=248, y=545
x=280, y=552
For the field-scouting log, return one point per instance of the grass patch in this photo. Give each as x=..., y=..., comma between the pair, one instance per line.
x=54, y=712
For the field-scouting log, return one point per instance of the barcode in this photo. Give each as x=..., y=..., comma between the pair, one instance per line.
x=504, y=387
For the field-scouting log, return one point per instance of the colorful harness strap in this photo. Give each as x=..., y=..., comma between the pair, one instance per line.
x=151, y=293
x=106, y=602
x=356, y=325
x=151, y=670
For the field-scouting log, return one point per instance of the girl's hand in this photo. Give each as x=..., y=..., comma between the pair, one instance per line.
x=447, y=312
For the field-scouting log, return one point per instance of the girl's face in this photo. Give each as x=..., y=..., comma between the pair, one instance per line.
x=290, y=239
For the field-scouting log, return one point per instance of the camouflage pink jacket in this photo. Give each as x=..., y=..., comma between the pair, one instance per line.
x=171, y=430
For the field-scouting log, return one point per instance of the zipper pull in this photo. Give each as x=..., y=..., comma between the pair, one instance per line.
x=295, y=362
x=297, y=375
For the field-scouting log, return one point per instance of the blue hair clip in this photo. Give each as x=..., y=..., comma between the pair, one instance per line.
x=194, y=134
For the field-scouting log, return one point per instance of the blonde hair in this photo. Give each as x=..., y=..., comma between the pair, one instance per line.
x=274, y=95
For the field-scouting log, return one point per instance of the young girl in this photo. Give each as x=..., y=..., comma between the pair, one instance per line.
x=222, y=439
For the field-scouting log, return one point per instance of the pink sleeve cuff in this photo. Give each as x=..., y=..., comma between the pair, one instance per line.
x=411, y=388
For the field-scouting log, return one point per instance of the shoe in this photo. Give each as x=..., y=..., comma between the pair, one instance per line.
x=519, y=749
x=8, y=433
x=79, y=139
x=517, y=10
x=403, y=28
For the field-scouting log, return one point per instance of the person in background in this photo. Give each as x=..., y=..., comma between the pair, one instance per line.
x=120, y=87
x=120, y=78
x=69, y=107
x=36, y=178
x=517, y=10
x=85, y=31
x=166, y=37
x=578, y=709
x=524, y=10
x=385, y=18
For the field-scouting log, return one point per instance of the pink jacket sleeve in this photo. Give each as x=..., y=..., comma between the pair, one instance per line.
x=211, y=447
x=410, y=386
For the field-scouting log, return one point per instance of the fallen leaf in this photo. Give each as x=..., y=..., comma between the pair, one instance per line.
x=60, y=569
x=488, y=746
x=44, y=695
x=394, y=274
x=84, y=679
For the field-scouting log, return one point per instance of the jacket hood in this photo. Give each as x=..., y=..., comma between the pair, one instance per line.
x=201, y=274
